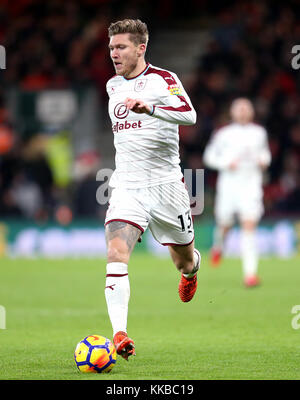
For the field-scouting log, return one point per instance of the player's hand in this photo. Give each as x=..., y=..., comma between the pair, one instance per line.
x=137, y=106
x=262, y=165
x=233, y=165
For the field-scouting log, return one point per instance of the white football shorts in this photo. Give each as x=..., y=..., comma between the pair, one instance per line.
x=244, y=205
x=164, y=208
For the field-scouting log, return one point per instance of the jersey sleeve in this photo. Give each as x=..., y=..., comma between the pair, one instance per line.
x=265, y=153
x=216, y=155
x=174, y=104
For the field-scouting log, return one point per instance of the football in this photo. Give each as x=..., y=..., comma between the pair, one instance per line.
x=95, y=353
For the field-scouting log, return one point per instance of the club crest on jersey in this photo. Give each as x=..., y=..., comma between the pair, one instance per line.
x=140, y=85
x=174, y=89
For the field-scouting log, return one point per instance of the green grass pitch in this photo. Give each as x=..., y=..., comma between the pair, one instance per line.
x=225, y=332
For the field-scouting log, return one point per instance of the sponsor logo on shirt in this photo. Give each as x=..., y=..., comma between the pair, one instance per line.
x=121, y=111
x=121, y=126
x=174, y=89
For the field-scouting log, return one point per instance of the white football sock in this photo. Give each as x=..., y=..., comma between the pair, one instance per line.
x=218, y=238
x=197, y=262
x=117, y=293
x=249, y=253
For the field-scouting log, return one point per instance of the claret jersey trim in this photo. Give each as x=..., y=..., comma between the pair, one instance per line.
x=184, y=108
x=172, y=87
x=166, y=75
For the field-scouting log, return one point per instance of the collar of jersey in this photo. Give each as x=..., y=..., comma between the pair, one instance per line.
x=140, y=74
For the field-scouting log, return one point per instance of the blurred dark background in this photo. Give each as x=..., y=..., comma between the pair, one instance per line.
x=54, y=128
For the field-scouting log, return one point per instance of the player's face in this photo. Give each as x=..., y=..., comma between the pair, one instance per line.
x=125, y=54
x=242, y=111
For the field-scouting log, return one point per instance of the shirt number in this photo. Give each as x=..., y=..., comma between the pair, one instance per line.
x=186, y=221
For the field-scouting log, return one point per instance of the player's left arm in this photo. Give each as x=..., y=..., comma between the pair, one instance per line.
x=174, y=104
x=177, y=107
x=264, y=156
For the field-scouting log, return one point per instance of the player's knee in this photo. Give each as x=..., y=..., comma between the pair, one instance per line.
x=248, y=225
x=117, y=254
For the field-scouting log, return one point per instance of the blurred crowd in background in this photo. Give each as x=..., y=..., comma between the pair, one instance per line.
x=54, y=45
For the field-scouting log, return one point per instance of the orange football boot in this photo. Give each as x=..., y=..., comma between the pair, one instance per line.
x=215, y=257
x=188, y=286
x=251, y=281
x=124, y=345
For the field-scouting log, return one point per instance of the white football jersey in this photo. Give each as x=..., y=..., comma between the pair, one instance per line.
x=147, y=146
x=245, y=144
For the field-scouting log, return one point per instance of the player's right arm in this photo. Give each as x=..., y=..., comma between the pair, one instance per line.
x=216, y=154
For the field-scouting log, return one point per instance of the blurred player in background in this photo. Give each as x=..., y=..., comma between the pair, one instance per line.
x=240, y=152
x=146, y=105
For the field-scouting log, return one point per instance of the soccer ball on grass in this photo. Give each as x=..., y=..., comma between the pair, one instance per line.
x=95, y=353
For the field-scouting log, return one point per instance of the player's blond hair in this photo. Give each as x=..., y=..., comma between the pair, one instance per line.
x=136, y=28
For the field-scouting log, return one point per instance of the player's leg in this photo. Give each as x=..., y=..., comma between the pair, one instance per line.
x=172, y=225
x=249, y=253
x=126, y=219
x=224, y=216
x=219, y=235
x=183, y=257
x=121, y=238
x=250, y=212
x=187, y=260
